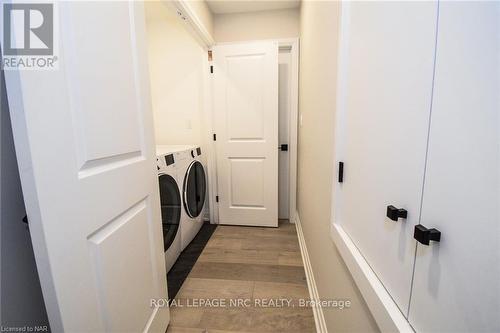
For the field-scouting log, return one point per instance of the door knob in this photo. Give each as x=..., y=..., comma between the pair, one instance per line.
x=283, y=147
x=396, y=213
x=424, y=235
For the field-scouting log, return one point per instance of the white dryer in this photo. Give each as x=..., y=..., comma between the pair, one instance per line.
x=194, y=189
x=171, y=204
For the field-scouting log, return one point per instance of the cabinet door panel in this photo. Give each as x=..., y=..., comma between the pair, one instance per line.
x=388, y=96
x=456, y=282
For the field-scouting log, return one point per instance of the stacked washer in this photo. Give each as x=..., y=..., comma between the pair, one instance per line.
x=193, y=186
x=171, y=204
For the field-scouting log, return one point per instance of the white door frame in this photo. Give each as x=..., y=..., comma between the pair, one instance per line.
x=209, y=143
x=293, y=45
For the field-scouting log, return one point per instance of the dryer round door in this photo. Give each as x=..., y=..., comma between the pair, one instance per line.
x=170, y=200
x=195, y=187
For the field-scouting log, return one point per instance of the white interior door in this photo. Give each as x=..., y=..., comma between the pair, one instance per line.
x=285, y=71
x=456, y=285
x=84, y=140
x=246, y=122
x=388, y=95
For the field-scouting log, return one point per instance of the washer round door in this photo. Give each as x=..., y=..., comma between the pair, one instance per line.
x=195, y=187
x=170, y=200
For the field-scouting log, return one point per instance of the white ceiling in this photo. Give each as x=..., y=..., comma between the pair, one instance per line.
x=243, y=6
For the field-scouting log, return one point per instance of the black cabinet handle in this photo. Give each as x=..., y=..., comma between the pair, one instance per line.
x=424, y=235
x=396, y=213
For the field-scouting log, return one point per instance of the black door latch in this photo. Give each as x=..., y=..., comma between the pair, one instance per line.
x=283, y=147
x=396, y=213
x=424, y=235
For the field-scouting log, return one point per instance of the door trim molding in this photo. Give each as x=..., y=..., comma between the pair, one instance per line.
x=319, y=318
x=383, y=308
x=208, y=142
x=293, y=43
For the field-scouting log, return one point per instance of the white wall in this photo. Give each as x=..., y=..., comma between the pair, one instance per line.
x=319, y=32
x=176, y=62
x=271, y=24
x=21, y=294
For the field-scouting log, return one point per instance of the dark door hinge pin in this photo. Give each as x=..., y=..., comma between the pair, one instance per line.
x=341, y=172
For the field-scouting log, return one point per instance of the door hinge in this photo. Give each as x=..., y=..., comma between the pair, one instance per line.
x=341, y=172
x=211, y=69
x=216, y=198
x=215, y=137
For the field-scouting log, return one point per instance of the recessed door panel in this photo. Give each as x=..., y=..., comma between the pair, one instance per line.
x=245, y=98
x=105, y=124
x=124, y=309
x=246, y=179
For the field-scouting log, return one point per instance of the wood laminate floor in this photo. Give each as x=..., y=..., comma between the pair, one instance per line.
x=259, y=267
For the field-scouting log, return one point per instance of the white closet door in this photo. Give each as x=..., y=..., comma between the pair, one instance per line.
x=457, y=281
x=388, y=87
x=246, y=118
x=84, y=140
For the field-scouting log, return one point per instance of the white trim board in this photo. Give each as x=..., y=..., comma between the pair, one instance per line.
x=319, y=318
x=293, y=43
x=183, y=10
x=383, y=308
x=207, y=140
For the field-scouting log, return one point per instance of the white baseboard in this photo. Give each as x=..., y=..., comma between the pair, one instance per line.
x=319, y=318
x=381, y=305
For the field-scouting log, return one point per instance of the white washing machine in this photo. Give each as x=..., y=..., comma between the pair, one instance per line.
x=170, y=203
x=194, y=189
